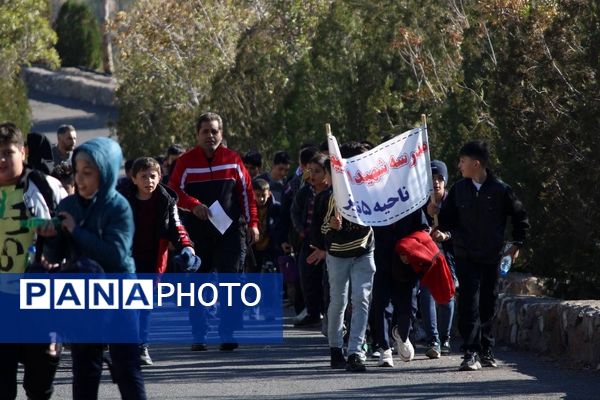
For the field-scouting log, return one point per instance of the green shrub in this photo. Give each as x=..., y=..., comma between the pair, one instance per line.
x=13, y=103
x=79, y=39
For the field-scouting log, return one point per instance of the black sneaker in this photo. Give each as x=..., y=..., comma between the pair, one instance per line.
x=445, y=348
x=433, y=350
x=487, y=359
x=337, y=358
x=309, y=321
x=355, y=363
x=228, y=346
x=470, y=362
x=199, y=347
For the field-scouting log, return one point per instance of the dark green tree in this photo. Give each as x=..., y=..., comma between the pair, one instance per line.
x=79, y=39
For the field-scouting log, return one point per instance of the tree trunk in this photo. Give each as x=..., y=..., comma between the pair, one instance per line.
x=107, y=58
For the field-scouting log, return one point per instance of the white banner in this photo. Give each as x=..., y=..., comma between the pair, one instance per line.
x=385, y=184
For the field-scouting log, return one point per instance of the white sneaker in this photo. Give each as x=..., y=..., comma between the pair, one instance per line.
x=405, y=350
x=385, y=358
x=301, y=316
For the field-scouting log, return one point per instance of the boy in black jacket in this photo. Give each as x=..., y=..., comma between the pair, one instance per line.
x=475, y=215
x=157, y=222
x=267, y=248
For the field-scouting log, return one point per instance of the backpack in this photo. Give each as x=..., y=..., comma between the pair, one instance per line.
x=40, y=181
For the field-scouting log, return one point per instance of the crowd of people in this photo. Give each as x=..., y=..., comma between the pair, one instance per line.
x=346, y=279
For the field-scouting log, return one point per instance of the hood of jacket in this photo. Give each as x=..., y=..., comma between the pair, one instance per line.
x=107, y=155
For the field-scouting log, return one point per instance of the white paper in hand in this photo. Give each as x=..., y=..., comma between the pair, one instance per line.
x=218, y=217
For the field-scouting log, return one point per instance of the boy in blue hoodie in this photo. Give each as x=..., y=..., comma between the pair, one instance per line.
x=98, y=224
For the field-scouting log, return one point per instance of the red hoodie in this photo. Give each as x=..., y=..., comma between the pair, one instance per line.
x=426, y=259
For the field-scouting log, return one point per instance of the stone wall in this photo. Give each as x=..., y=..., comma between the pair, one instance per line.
x=72, y=83
x=565, y=330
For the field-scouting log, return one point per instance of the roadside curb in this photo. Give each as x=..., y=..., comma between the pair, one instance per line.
x=568, y=330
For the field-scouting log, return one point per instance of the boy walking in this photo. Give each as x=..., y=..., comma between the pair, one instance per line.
x=156, y=222
x=97, y=223
x=475, y=215
x=350, y=266
x=23, y=194
x=267, y=248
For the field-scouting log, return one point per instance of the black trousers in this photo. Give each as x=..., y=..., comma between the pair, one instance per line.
x=396, y=283
x=403, y=295
x=126, y=371
x=311, y=279
x=478, y=292
x=40, y=369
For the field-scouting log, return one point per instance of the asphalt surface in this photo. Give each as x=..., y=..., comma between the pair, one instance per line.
x=50, y=112
x=299, y=369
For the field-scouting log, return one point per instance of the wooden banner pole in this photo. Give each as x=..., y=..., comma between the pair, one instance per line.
x=432, y=197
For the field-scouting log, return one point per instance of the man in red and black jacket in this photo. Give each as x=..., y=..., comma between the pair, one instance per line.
x=211, y=172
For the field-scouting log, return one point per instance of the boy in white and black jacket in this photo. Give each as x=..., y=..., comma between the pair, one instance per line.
x=25, y=194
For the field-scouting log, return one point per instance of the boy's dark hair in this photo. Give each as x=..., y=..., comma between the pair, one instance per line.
x=65, y=129
x=129, y=164
x=253, y=158
x=144, y=163
x=319, y=159
x=306, y=145
x=307, y=154
x=64, y=173
x=478, y=150
x=260, y=184
x=209, y=117
x=10, y=134
x=281, y=157
x=324, y=147
x=327, y=165
x=368, y=144
x=351, y=149
x=175, y=150
x=386, y=137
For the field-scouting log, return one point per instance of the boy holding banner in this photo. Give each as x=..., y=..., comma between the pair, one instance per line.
x=475, y=214
x=349, y=256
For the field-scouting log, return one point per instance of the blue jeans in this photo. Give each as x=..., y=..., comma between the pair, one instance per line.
x=342, y=271
x=220, y=255
x=144, y=326
x=432, y=316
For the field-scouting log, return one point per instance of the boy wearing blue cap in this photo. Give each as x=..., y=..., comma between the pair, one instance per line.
x=437, y=318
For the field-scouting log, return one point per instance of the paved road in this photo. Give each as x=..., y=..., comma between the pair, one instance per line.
x=298, y=369
x=49, y=112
